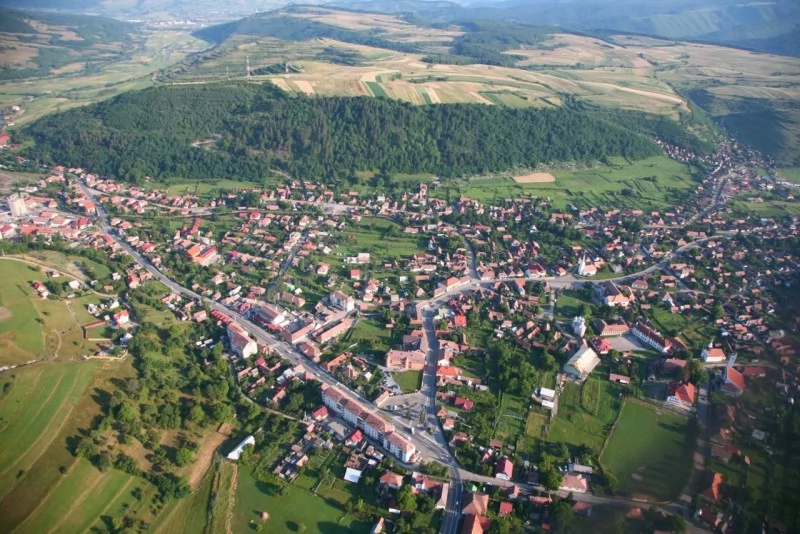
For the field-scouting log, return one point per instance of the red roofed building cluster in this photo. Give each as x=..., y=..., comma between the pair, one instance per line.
x=374, y=427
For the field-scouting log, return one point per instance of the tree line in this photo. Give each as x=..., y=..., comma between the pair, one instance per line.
x=150, y=133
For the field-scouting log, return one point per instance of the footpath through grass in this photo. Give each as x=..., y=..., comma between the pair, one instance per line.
x=650, y=451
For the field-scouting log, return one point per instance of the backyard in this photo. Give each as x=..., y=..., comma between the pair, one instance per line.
x=649, y=451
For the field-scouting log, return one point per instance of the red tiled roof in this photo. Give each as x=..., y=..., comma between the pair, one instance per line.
x=734, y=378
x=685, y=392
x=506, y=508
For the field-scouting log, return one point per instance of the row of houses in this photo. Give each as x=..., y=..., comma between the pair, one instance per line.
x=374, y=426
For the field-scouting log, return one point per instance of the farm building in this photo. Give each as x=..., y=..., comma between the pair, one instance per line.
x=582, y=363
x=236, y=453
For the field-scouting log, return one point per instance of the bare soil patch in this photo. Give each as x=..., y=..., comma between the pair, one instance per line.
x=5, y=314
x=205, y=454
x=72, y=67
x=304, y=86
x=535, y=178
x=480, y=98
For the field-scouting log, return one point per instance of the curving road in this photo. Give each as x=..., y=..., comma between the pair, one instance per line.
x=432, y=446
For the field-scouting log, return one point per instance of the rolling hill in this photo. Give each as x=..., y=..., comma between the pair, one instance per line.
x=765, y=26
x=332, y=52
x=36, y=44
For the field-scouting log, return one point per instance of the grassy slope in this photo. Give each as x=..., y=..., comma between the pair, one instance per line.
x=37, y=328
x=598, y=186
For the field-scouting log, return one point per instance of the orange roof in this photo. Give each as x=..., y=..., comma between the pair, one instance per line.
x=734, y=378
x=685, y=392
x=713, y=491
x=448, y=371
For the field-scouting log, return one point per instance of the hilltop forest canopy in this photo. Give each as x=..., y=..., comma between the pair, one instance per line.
x=150, y=133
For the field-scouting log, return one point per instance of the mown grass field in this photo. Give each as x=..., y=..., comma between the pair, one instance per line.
x=323, y=513
x=649, y=451
x=568, y=303
x=512, y=418
x=536, y=424
x=206, y=188
x=370, y=235
x=581, y=423
x=42, y=486
x=39, y=401
x=789, y=173
x=409, y=381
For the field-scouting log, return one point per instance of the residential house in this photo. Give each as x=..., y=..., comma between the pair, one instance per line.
x=504, y=469
x=682, y=394
x=391, y=480
x=413, y=360
x=574, y=483
x=240, y=341
x=474, y=503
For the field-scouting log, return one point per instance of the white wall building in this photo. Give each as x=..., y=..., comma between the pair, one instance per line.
x=17, y=206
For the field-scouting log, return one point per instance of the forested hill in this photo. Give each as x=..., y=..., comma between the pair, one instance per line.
x=150, y=133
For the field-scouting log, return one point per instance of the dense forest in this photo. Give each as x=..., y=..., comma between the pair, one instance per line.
x=150, y=133
x=488, y=41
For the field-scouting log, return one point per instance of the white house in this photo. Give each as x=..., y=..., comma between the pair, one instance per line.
x=342, y=301
x=241, y=344
x=713, y=354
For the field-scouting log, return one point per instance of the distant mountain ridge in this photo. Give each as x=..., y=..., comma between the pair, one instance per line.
x=768, y=27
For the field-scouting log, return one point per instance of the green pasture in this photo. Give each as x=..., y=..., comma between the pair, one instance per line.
x=649, y=451
x=323, y=513
x=575, y=425
x=643, y=184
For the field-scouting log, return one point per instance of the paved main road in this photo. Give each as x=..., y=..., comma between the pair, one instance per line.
x=433, y=447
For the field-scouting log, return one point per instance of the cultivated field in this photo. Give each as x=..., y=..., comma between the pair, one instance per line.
x=75, y=87
x=649, y=451
x=535, y=178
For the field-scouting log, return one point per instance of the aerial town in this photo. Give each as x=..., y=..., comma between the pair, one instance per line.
x=502, y=361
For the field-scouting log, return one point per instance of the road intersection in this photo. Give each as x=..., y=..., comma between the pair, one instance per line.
x=433, y=445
